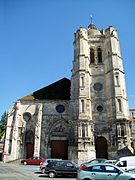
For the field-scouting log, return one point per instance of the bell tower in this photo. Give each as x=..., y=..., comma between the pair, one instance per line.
x=99, y=101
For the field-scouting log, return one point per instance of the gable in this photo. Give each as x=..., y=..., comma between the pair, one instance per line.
x=58, y=90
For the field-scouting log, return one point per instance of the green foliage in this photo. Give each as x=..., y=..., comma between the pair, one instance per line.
x=3, y=124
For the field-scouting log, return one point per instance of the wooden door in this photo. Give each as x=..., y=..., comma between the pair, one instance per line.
x=59, y=149
x=29, y=150
x=101, y=148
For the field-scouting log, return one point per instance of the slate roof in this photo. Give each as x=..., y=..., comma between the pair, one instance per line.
x=57, y=90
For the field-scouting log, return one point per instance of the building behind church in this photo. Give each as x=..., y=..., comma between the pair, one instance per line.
x=85, y=117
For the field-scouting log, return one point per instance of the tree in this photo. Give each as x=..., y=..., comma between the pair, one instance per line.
x=3, y=124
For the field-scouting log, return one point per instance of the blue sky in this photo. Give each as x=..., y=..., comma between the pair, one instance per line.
x=36, y=41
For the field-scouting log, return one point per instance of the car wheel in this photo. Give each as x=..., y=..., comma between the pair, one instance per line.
x=51, y=174
x=25, y=163
x=43, y=170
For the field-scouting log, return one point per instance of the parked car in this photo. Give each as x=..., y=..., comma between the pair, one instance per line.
x=94, y=161
x=126, y=162
x=60, y=168
x=103, y=171
x=45, y=163
x=131, y=170
x=33, y=160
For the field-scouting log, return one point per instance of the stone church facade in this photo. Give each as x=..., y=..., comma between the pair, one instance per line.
x=81, y=118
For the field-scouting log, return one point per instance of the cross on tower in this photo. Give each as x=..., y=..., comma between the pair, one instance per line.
x=91, y=18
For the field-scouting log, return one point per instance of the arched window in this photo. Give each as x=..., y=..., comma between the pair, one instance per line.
x=82, y=80
x=99, y=52
x=83, y=130
x=119, y=130
x=92, y=55
x=119, y=105
x=117, y=80
x=79, y=130
x=122, y=130
x=82, y=105
x=86, y=130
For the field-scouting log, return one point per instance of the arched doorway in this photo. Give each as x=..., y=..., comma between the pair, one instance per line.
x=29, y=143
x=101, y=147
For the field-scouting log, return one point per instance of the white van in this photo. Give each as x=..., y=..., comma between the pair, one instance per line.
x=126, y=162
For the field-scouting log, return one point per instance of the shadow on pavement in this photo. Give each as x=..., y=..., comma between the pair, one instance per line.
x=43, y=176
x=37, y=172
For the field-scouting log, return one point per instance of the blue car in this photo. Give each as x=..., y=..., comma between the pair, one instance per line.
x=132, y=170
x=103, y=171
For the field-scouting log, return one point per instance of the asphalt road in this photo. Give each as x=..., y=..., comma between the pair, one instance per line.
x=10, y=171
x=14, y=172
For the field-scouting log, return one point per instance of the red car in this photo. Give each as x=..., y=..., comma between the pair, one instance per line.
x=33, y=160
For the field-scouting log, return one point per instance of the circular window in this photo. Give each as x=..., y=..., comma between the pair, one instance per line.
x=98, y=86
x=60, y=108
x=99, y=108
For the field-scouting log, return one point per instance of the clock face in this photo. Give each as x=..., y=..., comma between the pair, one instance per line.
x=60, y=108
x=98, y=86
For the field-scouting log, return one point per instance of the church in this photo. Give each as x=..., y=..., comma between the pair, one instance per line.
x=80, y=118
